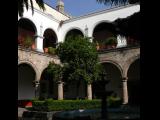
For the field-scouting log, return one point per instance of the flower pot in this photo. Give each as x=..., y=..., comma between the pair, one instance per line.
x=109, y=47
x=97, y=46
x=33, y=46
x=46, y=50
x=25, y=103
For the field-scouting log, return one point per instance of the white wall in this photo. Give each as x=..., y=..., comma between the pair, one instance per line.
x=91, y=20
x=43, y=21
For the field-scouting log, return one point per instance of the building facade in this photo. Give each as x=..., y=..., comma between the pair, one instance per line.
x=48, y=28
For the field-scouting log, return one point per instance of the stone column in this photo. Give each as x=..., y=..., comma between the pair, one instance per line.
x=124, y=90
x=36, y=85
x=60, y=90
x=39, y=43
x=89, y=91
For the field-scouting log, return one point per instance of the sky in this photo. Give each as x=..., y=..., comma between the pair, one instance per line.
x=79, y=7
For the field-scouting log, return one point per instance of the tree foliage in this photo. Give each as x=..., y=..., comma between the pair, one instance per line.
x=80, y=59
x=22, y=3
x=55, y=70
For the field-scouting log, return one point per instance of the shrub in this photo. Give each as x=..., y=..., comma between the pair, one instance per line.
x=28, y=41
x=58, y=105
x=110, y=41
x=114, y=102
x=51, y=50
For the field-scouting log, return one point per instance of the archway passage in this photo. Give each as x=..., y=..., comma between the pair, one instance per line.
x=113, y=74
x=134, y=83
x=26, y=76
x=102, y=32
x=48, y=87
x=75, y=90
x=50, y=39
x=74, y=32
x=26, y=28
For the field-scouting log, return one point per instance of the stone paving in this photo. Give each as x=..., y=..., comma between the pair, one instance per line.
x=125, y=113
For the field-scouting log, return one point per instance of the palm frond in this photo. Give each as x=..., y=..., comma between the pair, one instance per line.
x=32, y=6
x=20, y=8
x=40, y=4
x=26, y=4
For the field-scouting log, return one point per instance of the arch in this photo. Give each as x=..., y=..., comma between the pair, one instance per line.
x=26, y=77
x=114, y=63
x=73, y=28
x=98, y=23
x=48, y=87
x=103, y=31
x=134, y=83
x=129, y=63
x=114, y=75
x=26, y=28
x=133, y=62
x=32, y=65
x=30, y=21
x=50, y=38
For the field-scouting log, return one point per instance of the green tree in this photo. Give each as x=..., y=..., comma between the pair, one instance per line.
x=55, y=70
x=80, y=59
x=22, y=3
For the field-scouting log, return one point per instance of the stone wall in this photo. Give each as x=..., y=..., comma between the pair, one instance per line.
x=39, y=61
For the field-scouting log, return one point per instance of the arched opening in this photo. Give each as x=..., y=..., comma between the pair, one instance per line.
x=101, y=33
x=113, y=74
x=134, y=83
x=75, y=90
x=48, y=87
x=26, y=76
x=26, y=33
x=50, y=39
x=74, y=32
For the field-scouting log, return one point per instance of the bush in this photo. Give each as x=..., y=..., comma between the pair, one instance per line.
x=58, y=105
x=51, y=50
x=114, y=102
x=110, y=41
x=28, y=41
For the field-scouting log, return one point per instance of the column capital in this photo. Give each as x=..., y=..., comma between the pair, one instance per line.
x=124, y=79
x=39, y=36
x=60, y=82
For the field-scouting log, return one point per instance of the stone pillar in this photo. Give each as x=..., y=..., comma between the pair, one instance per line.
x=39, y=43
x=124, y=90
x=36, y=85
x=60, y=90
x=89, y=91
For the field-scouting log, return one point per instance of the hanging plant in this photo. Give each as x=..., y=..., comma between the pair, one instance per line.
x=28, y=41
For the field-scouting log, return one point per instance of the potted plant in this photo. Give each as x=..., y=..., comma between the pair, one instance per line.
x=46, y=49
x=111, y=42
x=100, y=45
x=51, y=50
x=28, y=41
x=33, y=46
x=97, y=45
